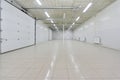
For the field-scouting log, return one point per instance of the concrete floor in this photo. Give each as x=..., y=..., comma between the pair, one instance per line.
x=57, y=61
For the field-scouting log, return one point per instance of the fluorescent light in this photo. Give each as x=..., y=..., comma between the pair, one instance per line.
x=38, y=1
x=77, y=18
x=54, y=25
x=56, y=28
x=88, y=6
x=52, y=21
x=64, y=15
x=70, y=28
x=46, y=13
x=73, y=23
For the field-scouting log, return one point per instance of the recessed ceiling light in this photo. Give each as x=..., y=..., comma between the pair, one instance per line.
x=77, y=18
x=46, y=13
x=88, y=6
x=38, y=1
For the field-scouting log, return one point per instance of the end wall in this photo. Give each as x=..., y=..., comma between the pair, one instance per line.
x=43, y=33
x=58, y=35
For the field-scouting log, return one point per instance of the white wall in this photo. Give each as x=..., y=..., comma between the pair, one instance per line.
x=105, y=25
x=17, y=28
x=58, y=35
x=43, y=33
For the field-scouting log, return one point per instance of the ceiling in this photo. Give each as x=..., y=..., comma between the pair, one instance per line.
x=63, y=12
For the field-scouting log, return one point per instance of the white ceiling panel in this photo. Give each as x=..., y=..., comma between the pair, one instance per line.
x=57, y=8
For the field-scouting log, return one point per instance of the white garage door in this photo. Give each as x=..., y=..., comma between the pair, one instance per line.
x=17, y=28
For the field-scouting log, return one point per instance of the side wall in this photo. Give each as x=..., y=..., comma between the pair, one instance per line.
x=103, y=28
x=18, y=29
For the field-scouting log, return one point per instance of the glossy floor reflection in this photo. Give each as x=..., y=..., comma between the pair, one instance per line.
x=57, y=61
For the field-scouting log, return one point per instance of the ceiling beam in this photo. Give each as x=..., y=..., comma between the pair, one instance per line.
x=61, y=23
x=54, y=8
x=47, y=19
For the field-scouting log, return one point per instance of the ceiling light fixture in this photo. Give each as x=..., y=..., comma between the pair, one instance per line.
x=77, y=18
x=70, y=28
x=46, y=13
x=88, y=6
x=73, y=23
x=38, y=1
x=64, y=16
x=54, y=25
x=52, y=21
x=56, y=28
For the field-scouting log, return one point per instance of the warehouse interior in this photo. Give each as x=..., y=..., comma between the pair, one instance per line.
x=59, y=40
